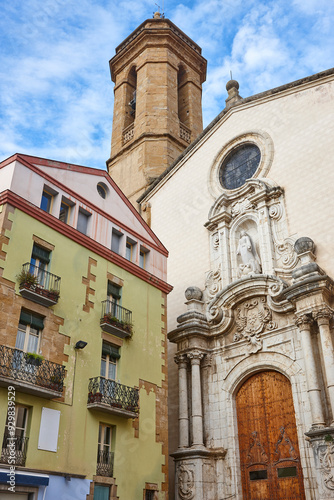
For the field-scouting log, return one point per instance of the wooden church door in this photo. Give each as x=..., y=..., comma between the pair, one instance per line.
x=269, y=452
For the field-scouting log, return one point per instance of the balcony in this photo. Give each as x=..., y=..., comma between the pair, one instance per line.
x=111, y=397
x=33, y=375
x=116, y=319
x=105, y=463
x=38, y=285
x=14, y=447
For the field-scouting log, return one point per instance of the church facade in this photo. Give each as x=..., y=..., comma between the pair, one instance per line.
x=247, y=216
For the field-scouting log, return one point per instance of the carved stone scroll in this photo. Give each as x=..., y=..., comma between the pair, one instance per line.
x=186, y=485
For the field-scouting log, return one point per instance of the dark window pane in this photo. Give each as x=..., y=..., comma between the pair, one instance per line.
x=240, y=165
x=82, y=222
x=256, y=475
x=46, y=201
x=287, y=472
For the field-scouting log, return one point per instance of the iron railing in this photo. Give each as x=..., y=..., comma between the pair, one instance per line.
x=105, y=463
x=38, y=280
x=114, y=313
x=102, y=390
x=17, y=365
x=14, y=450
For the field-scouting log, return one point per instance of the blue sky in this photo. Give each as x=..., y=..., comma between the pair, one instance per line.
x=56, y=96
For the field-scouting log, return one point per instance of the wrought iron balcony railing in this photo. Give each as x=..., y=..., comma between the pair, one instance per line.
x=109, y=392
x=105, y=463
x=14, y=448
x=39, y=285
x=116, y=319
x=18, y=365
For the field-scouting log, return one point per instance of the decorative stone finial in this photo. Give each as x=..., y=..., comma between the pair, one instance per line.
x=156, y=15
x=193, y=293
x=232, y=88
x=232, y=84
x=303, y=245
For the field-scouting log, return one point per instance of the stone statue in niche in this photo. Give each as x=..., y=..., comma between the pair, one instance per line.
x=250, y=260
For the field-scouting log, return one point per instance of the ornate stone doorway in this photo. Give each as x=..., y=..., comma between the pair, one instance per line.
x=268, y=443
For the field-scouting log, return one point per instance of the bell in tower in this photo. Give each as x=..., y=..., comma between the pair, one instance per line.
x=158, y=73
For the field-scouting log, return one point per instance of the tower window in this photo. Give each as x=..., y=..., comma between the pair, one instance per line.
x=131, y=97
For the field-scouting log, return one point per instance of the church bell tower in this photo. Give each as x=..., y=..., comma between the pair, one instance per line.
x=158, y=73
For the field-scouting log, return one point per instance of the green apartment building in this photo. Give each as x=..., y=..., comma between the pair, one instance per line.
x=82, y=338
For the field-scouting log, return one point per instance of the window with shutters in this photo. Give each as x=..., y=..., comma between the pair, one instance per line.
x=39, y=262
x=110, y=356
x=29, y=332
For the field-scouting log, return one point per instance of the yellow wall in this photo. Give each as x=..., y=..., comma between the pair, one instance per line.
x=137, y=458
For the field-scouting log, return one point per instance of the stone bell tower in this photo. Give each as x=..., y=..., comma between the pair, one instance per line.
x=158, y=73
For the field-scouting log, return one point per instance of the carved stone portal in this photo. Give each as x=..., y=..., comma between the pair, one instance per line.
x=186, y=485
x=251, y=319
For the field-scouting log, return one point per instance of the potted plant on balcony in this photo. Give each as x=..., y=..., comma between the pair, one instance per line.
x=97, y=397
x=27, y=280
x=116, y=404
x=32, y=358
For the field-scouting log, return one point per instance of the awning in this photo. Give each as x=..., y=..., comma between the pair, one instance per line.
x=24, y=478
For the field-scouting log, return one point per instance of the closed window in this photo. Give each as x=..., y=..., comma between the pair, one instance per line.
x=130, y=249
x=116, y=237
x=20, y=436
x=83, y=218
x=109, y=358
x=113, y=300
x=46, y=201
x=101, y=492
x=40, y=258
x=28, y=332
x=105, y=455
x=65, y=210
x=143, y=257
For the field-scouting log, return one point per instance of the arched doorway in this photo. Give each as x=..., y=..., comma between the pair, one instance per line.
x=268, y=443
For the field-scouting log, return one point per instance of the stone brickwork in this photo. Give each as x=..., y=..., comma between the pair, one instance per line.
x=169, y=71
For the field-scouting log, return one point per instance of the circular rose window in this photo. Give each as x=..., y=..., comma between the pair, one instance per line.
x=239, y=165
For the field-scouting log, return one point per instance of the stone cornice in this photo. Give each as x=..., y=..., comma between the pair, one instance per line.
x=184, y=453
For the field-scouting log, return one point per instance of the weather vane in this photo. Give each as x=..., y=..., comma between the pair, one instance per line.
x=159, y=8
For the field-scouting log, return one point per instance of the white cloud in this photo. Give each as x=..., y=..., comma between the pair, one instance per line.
x=56, y=97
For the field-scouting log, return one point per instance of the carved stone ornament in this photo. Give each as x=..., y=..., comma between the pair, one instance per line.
x=256, y=453
x=186, y=484
x=251, y=319
x=215, y=241
x=213, y=282
x=276, y=211
x=326, y=459
x=277, y=288
x=250, y=260
x=286, y=253
x=241, y=206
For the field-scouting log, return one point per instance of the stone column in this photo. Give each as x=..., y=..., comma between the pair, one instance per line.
x=304, y=324
x=322, y=318
x=196, y=399
x=182, y=362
